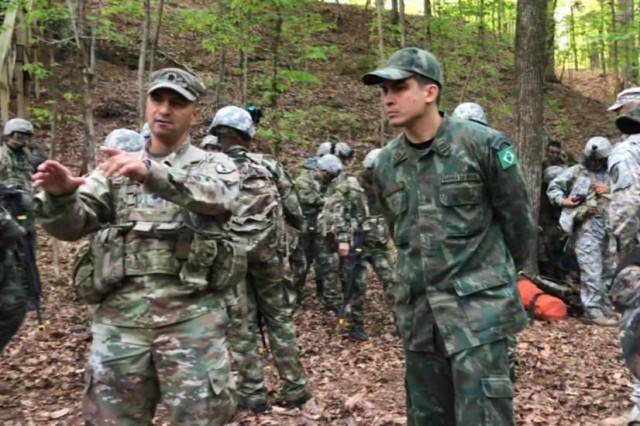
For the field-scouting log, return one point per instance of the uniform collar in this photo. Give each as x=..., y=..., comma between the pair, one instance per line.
x=440, y=145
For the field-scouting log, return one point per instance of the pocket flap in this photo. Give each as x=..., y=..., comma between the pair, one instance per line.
x=497, y=387
x=460, y=195
x=481, y=280
x=219, y=378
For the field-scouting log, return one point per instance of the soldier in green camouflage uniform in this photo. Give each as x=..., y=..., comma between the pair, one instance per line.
x=13, y=292
x=19, y=157
x=311, y=196
x=344, y=212
x=457, y=208
x=159, y=267
x=267, y=200
x=377, y=232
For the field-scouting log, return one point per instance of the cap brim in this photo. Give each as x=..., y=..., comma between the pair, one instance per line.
x=176, y=88
x=385, y=74
x=615, y=106
x=628, y=125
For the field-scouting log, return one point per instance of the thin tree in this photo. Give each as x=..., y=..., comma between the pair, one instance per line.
x=403, y=24
x=379, y=19
x=614, y=48
x=156, y=36
x=142, y=60
x=83, y=23
x=530, y=53
x=550, y=45
x=427, y=23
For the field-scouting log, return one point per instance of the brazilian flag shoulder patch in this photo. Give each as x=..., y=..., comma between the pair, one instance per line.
x=507, y=157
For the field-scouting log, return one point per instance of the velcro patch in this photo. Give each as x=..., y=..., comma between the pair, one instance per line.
x=507, y=157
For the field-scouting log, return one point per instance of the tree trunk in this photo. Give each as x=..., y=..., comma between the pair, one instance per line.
x=601, y=43
x=245, y=75
x=142, y=61
x=530, y=63
x=403, y=24
x=614, y=48
x=395, y=13
x=379, y=16
x=427, y=23
x=574, y=44
x=625, y=18
x=550, y=45
x=481, y=24
x=156, y=36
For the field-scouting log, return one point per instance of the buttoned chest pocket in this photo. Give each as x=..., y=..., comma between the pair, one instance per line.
x=463, y=212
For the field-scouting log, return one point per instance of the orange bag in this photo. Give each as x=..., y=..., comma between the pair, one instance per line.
x=540, y=305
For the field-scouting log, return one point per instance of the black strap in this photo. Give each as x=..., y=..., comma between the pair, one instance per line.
x=531, y=307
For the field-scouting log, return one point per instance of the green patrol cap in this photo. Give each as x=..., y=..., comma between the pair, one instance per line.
x=629, y=123
x=403, y=64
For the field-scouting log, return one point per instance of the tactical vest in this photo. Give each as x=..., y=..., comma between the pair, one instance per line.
x=16, y=168
x=150, y=235
x=258, y=219
x=334, y=206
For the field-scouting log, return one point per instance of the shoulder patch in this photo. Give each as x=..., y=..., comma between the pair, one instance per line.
x=507, y=157
x=500, y=142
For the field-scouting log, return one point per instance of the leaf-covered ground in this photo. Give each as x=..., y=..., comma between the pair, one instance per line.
x=568, y=373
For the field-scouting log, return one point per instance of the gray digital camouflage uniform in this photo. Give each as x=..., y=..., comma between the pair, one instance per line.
x=592, y=234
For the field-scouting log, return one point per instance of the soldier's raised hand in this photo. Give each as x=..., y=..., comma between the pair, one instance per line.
x=55, y=179
x=123, y=164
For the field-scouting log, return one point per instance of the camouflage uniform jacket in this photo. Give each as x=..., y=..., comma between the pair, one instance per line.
x=310, y=193
x=17, y=166
x=345, y=208
x=375, y=225
x=624, y=164
x=459, y=215
x=187, y=190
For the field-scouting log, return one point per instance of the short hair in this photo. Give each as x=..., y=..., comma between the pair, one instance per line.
x=423, y=81
x=554, y=143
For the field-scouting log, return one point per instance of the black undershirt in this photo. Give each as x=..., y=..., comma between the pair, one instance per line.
x=421, y=146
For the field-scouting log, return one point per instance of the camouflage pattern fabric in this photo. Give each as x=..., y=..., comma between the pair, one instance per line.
x=459, y=215
x=593, y=244
x=178, y=80
x=377, y=237
x=470, y=111
x=478, y=377
x=311, y=196
x=125, y=140
x=235, y=118
x=624, y=210
x=17, y=166
x=405, y=63
x=345, y=207
x=267, y=302
x=157, y=296
x=189, y=360
x=13, y=290
x=256, y=212
x=624, y=293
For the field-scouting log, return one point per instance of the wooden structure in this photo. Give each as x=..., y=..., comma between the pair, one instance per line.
x=15, y=43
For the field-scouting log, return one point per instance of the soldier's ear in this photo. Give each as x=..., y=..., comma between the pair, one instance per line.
x=195, y=116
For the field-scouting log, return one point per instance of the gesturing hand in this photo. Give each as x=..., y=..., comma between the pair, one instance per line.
x=123, y=164
x=55, y=179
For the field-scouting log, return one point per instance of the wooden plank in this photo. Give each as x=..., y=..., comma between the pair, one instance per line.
x=22, y=95
x=7, y=35
x=4, y=92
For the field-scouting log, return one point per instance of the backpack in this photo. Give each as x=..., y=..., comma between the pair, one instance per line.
x=258, y=219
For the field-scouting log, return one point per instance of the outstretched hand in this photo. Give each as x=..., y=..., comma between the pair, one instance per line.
x=55, y=179
x=123, y=164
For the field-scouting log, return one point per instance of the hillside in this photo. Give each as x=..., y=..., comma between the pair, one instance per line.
x=569, y=373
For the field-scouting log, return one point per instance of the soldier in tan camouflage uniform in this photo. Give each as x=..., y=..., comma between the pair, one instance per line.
x=159, y=268
x=342, y=217
x=210, y=143
x=267, y=200
x=455, y=201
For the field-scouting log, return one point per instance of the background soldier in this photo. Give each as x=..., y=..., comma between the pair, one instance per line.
x=583, y=190
x=159, y=329
x=13, y=291
x=376, y=230
x=210, y=144
x=266, y=201
x=341, y=226
x=19, y=154
x=125, y=140
x=457, y=209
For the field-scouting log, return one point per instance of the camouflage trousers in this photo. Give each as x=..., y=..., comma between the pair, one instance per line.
x=595, y=258
x=13, y=301
x=471, y=387
x=267, y=301
x=298, y=267
x=187, y=363
x=378, y=257
x=335, y=272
